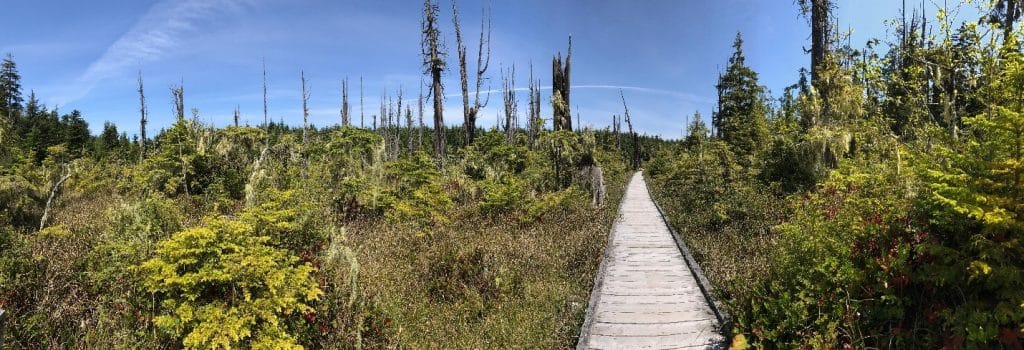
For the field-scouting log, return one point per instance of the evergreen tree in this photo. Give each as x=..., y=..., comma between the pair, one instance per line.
x=74, y=132
x=696, y=133
x=740, y=119
x=10, y=88
x=977, y=216
x=109, y=138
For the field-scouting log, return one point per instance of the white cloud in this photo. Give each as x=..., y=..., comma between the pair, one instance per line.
x=162, y=29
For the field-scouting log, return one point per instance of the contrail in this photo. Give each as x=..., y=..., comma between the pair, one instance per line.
x=159, y=31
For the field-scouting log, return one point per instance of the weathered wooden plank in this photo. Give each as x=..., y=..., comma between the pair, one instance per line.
x=646, y=297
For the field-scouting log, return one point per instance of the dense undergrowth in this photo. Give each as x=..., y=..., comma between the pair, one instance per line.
x=250, y=237
x=887, y=214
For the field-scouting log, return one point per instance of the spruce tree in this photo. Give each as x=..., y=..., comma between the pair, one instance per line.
x=10, y=88
x=740, y=119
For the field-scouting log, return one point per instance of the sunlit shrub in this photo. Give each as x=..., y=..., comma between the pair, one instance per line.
x=223, y=285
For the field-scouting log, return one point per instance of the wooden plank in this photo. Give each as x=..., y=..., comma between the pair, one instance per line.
x=645, y=295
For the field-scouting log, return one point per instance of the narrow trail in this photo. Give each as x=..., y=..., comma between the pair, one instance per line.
x=645, y=294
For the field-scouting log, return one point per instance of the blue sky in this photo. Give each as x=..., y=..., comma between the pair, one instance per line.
x=665, y=53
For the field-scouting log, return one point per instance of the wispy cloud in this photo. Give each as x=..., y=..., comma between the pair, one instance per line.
x=162, y=29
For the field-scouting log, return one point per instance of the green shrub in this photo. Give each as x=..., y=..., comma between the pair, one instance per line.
x=428, y=206
x=843, y=267
x=508, y=196
x=222, y=285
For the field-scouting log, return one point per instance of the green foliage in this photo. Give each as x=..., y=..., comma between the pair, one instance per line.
x=741, y=116
x=508, y=196
x=492, y=156
x=977, y=218
x=181, y=164
x=848, y=256
x=223, y=285
x=130, y=239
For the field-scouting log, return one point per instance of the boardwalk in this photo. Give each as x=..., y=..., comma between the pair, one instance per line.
x=645, y=295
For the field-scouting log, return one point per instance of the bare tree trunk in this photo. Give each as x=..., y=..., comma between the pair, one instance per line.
x=266, y=124
x=433, y=60
x=469, y=122
x=634, y=161
x=178, y=97
x=142, y=120
x=483, y=61
x=531, y=122
x=305, y=126
x=344, y=103
x=53, y=195
x=237, y=115
x=409, y=128
x=419, y=137
x=509, y=98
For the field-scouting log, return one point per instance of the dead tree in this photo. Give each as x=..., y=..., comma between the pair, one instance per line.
x=560, y=90
x=434, y=64
x=178, y=107
x=483, y=59
x=266, y=125
x=531, y=118
x=617, y=130
x=397, y=124
x=142, y=120
x=53, y=194
x=408, y=127
x=344, y=103
x=419, y=137
x=178, y=100
x=508, y=94
x=361, y=125
x=238, y=114
x=305, y=126
x=634, y=160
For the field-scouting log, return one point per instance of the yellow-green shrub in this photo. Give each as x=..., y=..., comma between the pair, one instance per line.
x=222, y=285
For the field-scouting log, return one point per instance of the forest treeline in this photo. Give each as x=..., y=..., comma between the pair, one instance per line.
x=876, y=203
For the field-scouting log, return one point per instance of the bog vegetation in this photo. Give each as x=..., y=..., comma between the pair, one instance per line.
x=877, y=203
x=273, y=236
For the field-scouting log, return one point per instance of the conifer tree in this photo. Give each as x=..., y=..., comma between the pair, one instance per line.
x=741, y=116
x=10, y=88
